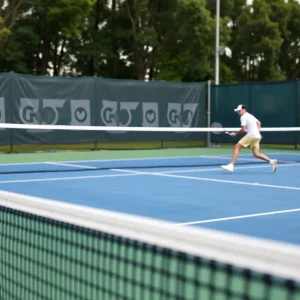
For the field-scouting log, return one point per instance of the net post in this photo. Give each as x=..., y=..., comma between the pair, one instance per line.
x=208, y=143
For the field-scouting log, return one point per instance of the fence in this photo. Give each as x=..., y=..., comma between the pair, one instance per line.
x=109, y=102
x=275, y=104
x=100, y=102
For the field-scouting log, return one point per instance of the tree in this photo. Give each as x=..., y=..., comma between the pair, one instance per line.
x=189, y=54
x=146, y=25
x=88, y=52
x=57, y=21
x=151, y=39
x=230, y=11
x=9, y=12
x=258, y=44
x=4, y=32
x=289, y=18
x=19, y=52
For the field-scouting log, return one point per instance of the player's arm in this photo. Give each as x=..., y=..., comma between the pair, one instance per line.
x=242, y=130
x=258, y=124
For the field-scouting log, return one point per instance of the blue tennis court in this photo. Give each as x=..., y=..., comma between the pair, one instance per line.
x=251, y=201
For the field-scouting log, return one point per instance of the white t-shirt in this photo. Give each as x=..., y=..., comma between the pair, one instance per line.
x=249, y=121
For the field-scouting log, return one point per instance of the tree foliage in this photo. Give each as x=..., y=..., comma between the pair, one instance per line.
x=151, y=39
x=10, y=10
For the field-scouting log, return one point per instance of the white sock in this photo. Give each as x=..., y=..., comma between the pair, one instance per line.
x=271, y=161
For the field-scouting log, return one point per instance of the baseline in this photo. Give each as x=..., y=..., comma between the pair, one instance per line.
x=211, y=179
x=239, y=217
x=236, y=168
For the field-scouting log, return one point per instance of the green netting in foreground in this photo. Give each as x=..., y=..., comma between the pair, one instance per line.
x=44, y=257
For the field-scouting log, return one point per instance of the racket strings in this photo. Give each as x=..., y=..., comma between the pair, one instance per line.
x=218, y=125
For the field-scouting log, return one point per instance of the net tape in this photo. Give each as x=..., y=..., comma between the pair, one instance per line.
x=137, y=129
x=274, y=258
x=57, y=161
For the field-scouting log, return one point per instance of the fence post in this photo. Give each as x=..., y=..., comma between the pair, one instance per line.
x=297, y=114
x=208, y=143
x=11, y=108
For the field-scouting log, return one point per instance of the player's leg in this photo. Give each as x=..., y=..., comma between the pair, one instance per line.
x=236, y=150
x=257, y=154
x=255, y=150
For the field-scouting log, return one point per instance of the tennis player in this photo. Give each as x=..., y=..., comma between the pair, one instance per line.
x=253, y=137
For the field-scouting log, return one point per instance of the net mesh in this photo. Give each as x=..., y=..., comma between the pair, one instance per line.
x=41, y=148
x=50, y=250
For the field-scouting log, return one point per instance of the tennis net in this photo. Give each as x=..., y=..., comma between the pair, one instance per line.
x=52, y=250
x=52, y=148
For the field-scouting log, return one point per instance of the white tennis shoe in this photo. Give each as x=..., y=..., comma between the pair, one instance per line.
x=274, y=165
x=228, y=167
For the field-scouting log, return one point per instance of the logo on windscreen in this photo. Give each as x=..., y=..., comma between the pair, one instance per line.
x=124, y=114
x=117, y=114
x=150, y=114
x=181, y=115
x=53, y=111
x=80, y=112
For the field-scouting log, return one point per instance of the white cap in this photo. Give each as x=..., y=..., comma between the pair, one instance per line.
x=241, y=106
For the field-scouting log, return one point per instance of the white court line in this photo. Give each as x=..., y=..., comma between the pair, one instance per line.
x=275, y=153
x=69, y=165
x=66, y=178
x=248, y=159
x=240, y=217
x=145, y=158
x=267, y=153
x=218, y=169
x=114, y=159
x=212, y=180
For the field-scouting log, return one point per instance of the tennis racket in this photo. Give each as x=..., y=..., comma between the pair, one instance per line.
x=218, y=125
